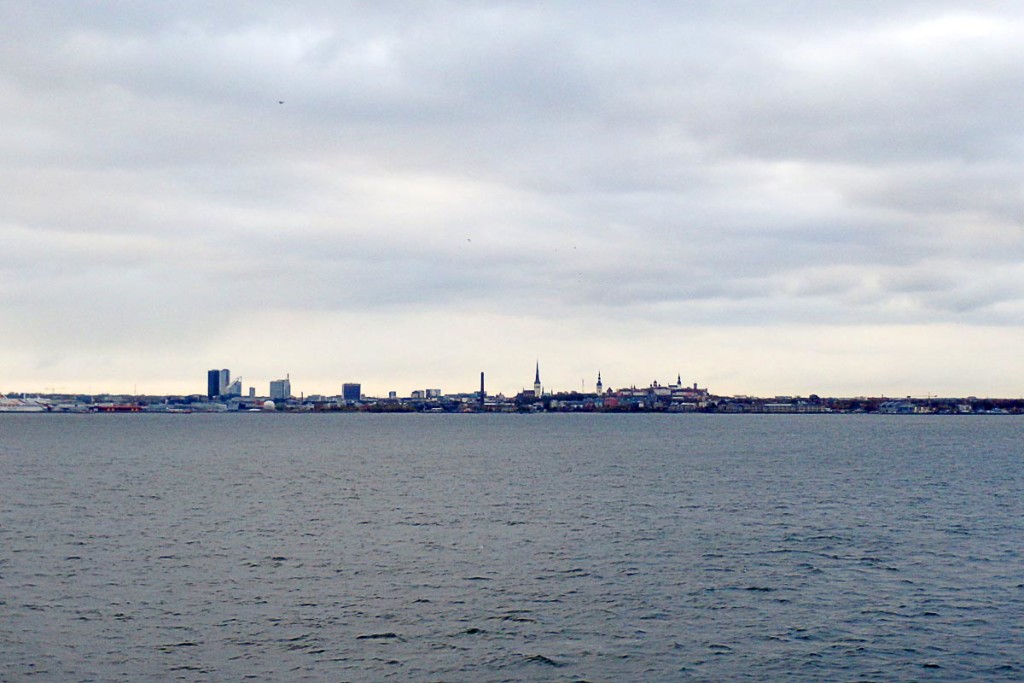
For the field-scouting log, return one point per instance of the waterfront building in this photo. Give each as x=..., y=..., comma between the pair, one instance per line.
x=281, y=389
x=216, y=382
x=233, y=389
x=351, y=391
x=898, y=408
x=21, y=405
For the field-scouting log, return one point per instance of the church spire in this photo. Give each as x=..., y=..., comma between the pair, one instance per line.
x=600, y=384
x=537, y=389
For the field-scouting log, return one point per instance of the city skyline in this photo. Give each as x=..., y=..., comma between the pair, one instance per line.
x=221, y=385
x=812, y=198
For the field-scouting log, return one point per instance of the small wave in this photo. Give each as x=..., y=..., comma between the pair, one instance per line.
x=388, y=635
x=472, y=631
x=541, y=659
x=308, y=648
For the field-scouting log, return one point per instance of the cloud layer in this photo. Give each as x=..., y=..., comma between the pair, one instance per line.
x=406, y=195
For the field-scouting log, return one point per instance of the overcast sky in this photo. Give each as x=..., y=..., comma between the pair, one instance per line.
x=819, y=197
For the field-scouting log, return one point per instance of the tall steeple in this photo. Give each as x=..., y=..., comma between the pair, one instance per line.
x=600, y=385
x=537, y=389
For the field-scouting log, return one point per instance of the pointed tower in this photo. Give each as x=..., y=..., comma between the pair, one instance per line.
x=600, y=384
x=537, y=389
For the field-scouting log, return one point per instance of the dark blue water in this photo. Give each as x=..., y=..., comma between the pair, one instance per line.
x=492, y=548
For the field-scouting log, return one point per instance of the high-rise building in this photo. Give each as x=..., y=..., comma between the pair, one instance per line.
x=351, y=391
x=233, y=389
x=281, y=389
x=217, y=381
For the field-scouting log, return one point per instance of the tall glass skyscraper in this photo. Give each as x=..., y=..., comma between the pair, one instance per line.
x=217, y=381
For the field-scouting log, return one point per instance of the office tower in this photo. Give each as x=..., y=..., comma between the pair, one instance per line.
x=281, y=389
x=216, y=382
x=351, y=391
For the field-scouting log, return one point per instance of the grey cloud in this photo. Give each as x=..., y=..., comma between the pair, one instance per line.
x=951, y=187
x=726, y=163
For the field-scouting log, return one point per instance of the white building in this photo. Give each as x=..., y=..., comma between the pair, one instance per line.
x=281, y=389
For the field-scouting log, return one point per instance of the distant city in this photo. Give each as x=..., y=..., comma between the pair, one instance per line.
x=226, y=395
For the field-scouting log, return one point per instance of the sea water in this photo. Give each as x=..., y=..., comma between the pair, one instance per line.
x=511, y=548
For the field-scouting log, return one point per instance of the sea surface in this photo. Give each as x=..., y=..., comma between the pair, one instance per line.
x=286, y=547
